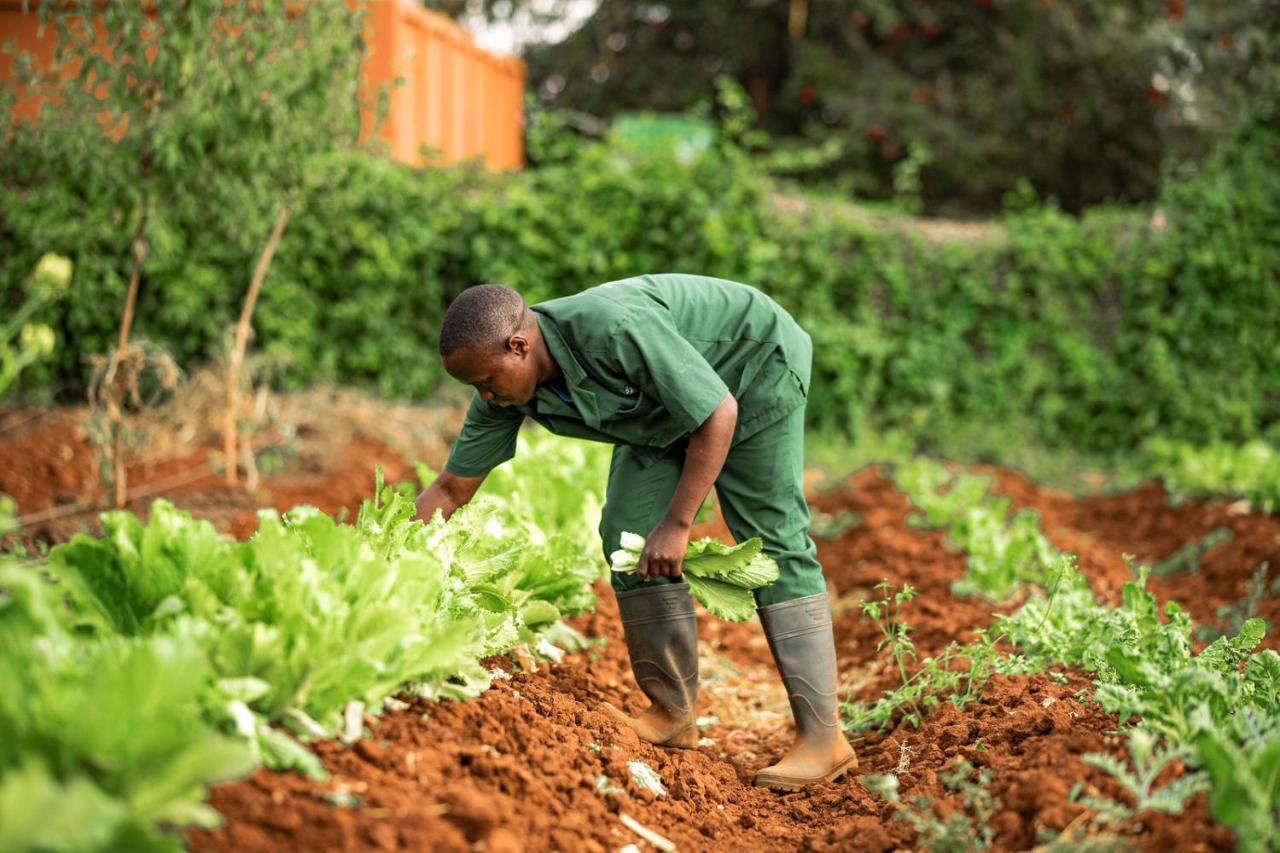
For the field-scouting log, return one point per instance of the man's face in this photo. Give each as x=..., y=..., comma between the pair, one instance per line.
x=505, y=376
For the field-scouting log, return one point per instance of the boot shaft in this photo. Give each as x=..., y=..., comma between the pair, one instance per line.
x=803, y=646
x=661, y=631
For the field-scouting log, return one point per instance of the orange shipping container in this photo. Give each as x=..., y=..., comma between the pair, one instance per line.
x=455, y=98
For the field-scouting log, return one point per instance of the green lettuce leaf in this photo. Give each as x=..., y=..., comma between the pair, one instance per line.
x=720, y=576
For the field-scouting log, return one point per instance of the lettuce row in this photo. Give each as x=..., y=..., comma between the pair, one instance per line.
x=1222, y=703
x=165, y=656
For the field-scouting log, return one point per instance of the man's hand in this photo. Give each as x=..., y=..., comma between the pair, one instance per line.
x=665, y=547
x=446, y=494
x=664, y=550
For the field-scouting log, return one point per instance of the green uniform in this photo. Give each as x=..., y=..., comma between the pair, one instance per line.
x=646, y=360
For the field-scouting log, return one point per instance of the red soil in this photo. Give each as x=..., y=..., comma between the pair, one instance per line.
x=522, y=766
x=1101, y=529
x=50, y=468
x=532, y=764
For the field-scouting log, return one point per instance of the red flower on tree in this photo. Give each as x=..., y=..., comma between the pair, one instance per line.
x=807, y=96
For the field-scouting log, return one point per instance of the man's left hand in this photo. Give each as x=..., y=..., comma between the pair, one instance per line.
x=664, y=550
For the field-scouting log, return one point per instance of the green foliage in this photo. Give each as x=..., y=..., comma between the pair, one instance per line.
x=189, y=650
x=1088, y=101
x=719, y=575
x=1138, y=779
x=958, y=674
x=1246, y=785
x=1144, y=664
x=999, y=552
x=1204, y=708
x=1250, y=471
x=963, y=829
x=1100, y=331
x=100, y=740
x=178, y=131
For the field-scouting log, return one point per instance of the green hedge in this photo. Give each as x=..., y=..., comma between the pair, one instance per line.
x=1094, y=332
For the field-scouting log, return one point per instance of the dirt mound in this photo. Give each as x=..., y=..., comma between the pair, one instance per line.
x=532, y=764
x=1142, y=523
x=49, y=466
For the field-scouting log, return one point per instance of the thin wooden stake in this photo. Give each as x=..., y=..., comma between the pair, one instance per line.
x=236, y=361
x=115, y=416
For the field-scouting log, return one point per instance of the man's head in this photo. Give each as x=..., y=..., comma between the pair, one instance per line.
x=488, y=340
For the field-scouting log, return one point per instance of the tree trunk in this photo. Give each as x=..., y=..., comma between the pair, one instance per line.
x=236, y=360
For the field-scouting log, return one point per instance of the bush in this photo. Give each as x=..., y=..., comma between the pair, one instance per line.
x=1094, y=332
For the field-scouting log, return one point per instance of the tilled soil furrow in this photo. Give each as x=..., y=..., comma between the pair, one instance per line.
x=533, y=765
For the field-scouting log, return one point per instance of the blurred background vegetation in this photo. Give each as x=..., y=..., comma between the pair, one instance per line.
x=1087, y=100
x=1114, y=277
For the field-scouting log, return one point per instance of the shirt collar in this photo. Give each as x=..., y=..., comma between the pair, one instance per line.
x=574, y=376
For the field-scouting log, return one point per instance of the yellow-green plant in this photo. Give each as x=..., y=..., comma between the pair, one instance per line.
x=22, y=343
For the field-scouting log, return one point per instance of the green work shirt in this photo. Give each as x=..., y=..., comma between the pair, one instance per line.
x=646, y=360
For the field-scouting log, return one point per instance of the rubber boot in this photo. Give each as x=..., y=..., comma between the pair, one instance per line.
x=804, y=649
x=662, y=639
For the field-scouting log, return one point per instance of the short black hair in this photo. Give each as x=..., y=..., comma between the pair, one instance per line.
x=483, y=317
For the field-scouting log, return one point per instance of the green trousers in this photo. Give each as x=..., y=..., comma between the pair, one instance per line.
x=761, y=493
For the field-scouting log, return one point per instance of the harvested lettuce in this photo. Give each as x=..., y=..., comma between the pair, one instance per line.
x=720, y=576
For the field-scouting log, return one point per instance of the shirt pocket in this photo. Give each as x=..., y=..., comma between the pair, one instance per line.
x=618, y=400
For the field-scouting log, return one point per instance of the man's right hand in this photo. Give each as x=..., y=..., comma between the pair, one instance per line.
x=446, y=493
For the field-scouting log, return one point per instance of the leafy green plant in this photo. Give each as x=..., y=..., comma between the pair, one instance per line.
x=102, y=737
x=1138, y=779
x=1144, y=668
x=967, y=828
x=1144, y=664
x=719, y=575
x=1246, y=787
x=219, y=648
x=1250, y=471
x=999, y=552
x=958, y=674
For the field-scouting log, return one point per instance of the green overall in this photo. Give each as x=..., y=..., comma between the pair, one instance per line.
x=646, y=360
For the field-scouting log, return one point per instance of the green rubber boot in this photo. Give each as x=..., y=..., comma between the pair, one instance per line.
x=662, y=640
x=804, y=649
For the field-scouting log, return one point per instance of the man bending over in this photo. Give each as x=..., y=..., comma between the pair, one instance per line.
x=696, y=382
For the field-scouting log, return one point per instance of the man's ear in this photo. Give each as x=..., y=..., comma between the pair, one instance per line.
x=518, y=344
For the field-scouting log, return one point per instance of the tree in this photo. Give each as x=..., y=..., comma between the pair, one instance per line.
x=161, y=108
x=1088, y=100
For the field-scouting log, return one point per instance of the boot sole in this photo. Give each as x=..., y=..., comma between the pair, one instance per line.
x=785, y=783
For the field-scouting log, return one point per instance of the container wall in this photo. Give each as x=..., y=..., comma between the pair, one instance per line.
x=453, y=101
x=445, y=95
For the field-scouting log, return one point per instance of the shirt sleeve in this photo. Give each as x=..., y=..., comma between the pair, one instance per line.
x=656, y=358
x=487, y=439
